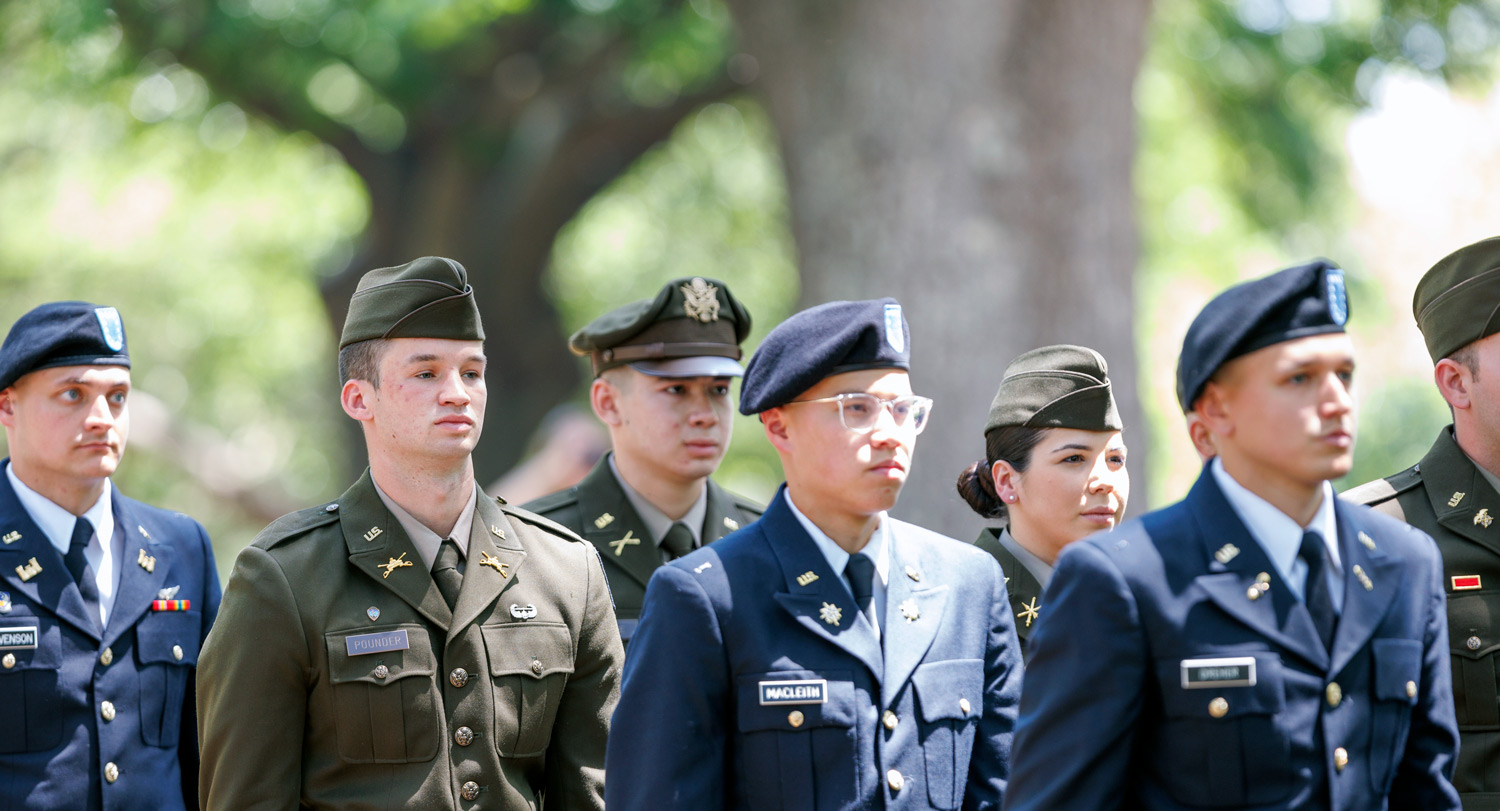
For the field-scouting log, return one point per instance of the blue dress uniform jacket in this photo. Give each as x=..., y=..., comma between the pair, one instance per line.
x=924, y=724
x=1107, y=721
x=60, y=747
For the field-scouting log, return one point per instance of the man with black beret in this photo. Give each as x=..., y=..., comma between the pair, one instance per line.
x=827, y=655
x=1260, y=643
x=662, y=369
x=104, y=601
x=1454, y=491
x=413, y=644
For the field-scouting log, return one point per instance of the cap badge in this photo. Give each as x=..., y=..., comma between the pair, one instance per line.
x=701, y=300
x=894, y=335
x=1338, y=297
x=113, y=329
x=831, y=614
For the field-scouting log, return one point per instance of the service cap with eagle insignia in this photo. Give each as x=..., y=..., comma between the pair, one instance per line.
x=63, y=333
x=693, y=328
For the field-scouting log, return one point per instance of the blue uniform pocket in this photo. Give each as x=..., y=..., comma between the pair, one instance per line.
x=1398, y=679
x=950, y=695
x=166, y=648
x=31, y=714
x=799, y=751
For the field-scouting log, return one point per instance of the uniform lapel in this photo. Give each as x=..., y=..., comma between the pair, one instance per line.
x=1235, y=561
x=52, y=589
x=378, y=546
x=138, y=585
x=913, y=612
x=1461, y=498
x=613, y=526
x=494, y=557
x=823, y=605
x=1372, y=581
x=1021, y=586
x=722, y=517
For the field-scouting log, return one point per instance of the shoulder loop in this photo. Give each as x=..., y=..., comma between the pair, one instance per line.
x=551, y=501
x=545, y=523
x=1382, y=490
x=293, y=524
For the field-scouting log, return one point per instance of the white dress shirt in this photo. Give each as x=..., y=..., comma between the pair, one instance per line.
x=878, y=548
x=105, y=549
x=1281, y=537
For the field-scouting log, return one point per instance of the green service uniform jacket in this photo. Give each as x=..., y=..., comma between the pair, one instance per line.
x=1446, y=496
x=1022, y=586
x=337, y=677
x=598, y=509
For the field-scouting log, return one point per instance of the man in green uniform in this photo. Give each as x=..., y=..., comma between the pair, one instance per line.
x=1453, y=494
x=413, y=644
x=662, y=370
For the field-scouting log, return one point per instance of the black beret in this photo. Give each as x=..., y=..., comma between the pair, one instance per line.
x=424, y=298
x=693, y=328
x=1458, y=301
x=63, y=333
x=1294, y=303
x=822, y=341
x=1056, y=387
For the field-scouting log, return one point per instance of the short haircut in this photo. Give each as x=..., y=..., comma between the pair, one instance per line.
x=1467, y=356
x=361, y=361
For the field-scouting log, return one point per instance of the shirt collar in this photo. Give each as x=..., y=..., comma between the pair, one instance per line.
x=658, y=522
x=1276, y=532
x=57, y=523
x=427, y=541
x=878, y=548
x=1039, y=568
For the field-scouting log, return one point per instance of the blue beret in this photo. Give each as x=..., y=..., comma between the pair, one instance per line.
x=822, y=341
x=1289, y=304
x=63, y=333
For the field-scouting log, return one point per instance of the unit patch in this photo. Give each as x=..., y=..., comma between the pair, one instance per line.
x=1238, y=671
x=808, y=691
x=378, y=642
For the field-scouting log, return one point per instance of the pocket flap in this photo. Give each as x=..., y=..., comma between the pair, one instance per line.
x=1398, y=669
x=36, y=644
x=168, y=636
x=1229, y=700
x=415, y=660
x=952, y=689
x=532, y=649
x=819, y=700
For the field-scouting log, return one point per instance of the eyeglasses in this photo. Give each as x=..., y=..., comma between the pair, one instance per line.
x=859, y=411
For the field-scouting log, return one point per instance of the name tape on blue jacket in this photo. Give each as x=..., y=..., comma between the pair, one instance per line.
x=810, y=691
x=1238, y=671
x=18, y=638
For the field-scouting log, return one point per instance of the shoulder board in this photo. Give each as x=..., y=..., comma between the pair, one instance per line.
x=553, y=501
x=293, y=524
x=1382, y=490
x=543, y=522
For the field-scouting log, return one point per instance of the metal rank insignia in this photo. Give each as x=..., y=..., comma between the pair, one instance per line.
x=10, y=537
x=603, y=521
x=916, y=576
x=830, y=614
x=29, y=569
x=486, y=559
x=910, y=611
x=1029, y=612
x=1457, y=497
x=1226, y=553
x=731, y=524
x=145, y=561
x=171, y=605
x=806, y=577
x=1261, y=586
x=398, y=562
x=628, y=540
x=1482, y=518
x=1367, y=541
x=1364, y=579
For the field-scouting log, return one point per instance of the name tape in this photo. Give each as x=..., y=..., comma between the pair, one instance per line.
x=18, y=638
x=1238, y=671
x=810, y=691
x=378, y=642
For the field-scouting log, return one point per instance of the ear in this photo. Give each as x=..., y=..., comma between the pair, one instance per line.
x=356, y=397
x=1007, y=481
x=1454, y=382
x=778, y=433
x=1213, y=411
x=604, y=398
x=8, y=406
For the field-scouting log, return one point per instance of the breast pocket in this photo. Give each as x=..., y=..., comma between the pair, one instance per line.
x=32, y=710
x=1219, y=746
x=1398, y=679
x=166, y=650
x=1474, y=639
x=798, y=740
x=950, y=695
x=387, y=705
x=530, y=663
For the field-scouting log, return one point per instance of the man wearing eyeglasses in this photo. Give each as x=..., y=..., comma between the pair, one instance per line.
x=826, y=656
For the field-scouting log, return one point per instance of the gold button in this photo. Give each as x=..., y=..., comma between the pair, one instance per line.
x=381, y=671
x=9, y=661
x=463, y=736
x=111, y=772
x=963, y=705
x=1340, y=758
x=177, y=652
x=106, y=657
x=889, y=719
x=1218, y=708
x=107, y=711
x=794, y=718
x=894, y=779
x=459, y=677
x=1411, y=689
x=1252, y=593
x=470, y=791
x=1334, y=693
x=536, y=666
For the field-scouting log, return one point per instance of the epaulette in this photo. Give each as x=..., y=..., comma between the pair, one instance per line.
x=1383, y=490
x=541, y=521
x=293, y=524
x=747, y=505
x=554, y=501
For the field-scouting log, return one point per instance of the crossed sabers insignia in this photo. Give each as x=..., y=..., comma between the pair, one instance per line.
x=392, y=565
x=628, y=540
x=486, y=559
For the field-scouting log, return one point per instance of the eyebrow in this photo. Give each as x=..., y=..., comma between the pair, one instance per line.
x=1071, y=447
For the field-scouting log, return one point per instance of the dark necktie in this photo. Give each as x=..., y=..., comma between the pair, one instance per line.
x=446, y=574
x=678, y=541
x=860, y=572
x=1319, y=603
x=78, y=566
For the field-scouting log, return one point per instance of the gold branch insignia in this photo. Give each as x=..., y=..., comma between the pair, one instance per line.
x=486, y=559
x=393, y=564
x=1029, y=611
x=628, y=540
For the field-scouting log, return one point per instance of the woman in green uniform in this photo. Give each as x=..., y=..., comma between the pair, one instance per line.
x=1053, y=470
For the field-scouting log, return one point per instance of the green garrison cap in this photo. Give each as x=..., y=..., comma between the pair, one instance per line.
x=1458, y=301
x=1056, y=387
x=424, y=298
x=693, y=328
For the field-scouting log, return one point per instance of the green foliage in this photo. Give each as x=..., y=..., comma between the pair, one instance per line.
x=1397, y=428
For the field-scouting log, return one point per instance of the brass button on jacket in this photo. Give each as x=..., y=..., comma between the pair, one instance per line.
x=107, y=711
x=459, y=677
x=894, y=779
x=1340, y=758
x=463, y=736
x=111, y=772
x=1334, y=693
x=470, y=791
x=106, y=657
x=889, y=720
x=9, y=661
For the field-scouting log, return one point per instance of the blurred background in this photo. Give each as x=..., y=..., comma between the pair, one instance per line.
x=1016, y=173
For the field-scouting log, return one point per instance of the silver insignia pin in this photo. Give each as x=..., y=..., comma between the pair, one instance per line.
x=169, y=593
x=522, y=612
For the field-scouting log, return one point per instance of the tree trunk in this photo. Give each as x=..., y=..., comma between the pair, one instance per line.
x=973, y=159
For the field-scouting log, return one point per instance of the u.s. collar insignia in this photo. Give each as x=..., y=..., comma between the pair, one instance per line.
x=498, y=532
x=830, y=614
x=806, y=577
x=1367, y=541
x=145, y=561
x=373, y=534
x=1029, y=611
x=700, y=300
x=910, y=611
x=915, y=575
x=1483, y=518
x=1226, y=553
x=10, y=537
x=1457, y=497
x=522, y=612
x=169, y=593
x=142, y=530
x=603, y=521
x=486, y=559
x=1364, y=579
x=628, y=540
x=393, y=564
x=731, y=524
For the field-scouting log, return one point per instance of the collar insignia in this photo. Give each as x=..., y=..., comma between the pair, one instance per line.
x=910, y=611
x=830, y=614
x=1367, y=541
x=1226, y=553
x=29, y=569
x=603, y=521
x=731, y=524
x=11, y=537
x=499, y=533
x=486, y=559
x=805, y=578
x=1483, y=518
x=372, y=534
x=1457, y=497
x=393, y=564
x=1029, y=611
x=628, y=540
x=146, y=562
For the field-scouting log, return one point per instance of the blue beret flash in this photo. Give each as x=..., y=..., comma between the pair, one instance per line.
x=821, y=341
x=63, y=333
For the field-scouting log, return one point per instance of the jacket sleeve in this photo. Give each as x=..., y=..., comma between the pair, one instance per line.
x=989, y=764
x=1425, y=774
x=252, y=692
x=575, y=756
x=187, y=747
x=667, y=749
x=1086, y=675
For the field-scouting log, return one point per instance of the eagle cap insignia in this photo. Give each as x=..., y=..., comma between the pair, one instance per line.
x=700, y=300
x=831, y=614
